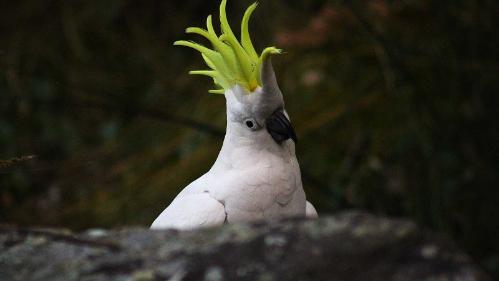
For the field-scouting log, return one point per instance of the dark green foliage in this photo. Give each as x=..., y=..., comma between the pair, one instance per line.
x=394, y=102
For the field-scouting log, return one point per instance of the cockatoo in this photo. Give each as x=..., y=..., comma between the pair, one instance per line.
x=256, y=175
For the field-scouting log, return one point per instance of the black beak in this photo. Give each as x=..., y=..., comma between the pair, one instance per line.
x=279, y=127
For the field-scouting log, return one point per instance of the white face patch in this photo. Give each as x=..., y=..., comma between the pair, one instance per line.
x=259, y=105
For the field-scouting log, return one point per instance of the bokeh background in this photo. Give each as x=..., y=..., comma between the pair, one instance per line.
x=395, y=104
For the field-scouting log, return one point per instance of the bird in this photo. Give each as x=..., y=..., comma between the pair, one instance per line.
x=256, y=175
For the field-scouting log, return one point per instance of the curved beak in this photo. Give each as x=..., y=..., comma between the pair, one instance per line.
x=279, y=127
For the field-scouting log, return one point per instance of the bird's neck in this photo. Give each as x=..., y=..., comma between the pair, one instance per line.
x=242, y=147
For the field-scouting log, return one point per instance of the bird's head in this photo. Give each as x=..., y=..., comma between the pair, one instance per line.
x=254, y=101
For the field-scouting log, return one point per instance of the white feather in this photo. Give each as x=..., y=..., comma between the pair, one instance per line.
x=253, y=178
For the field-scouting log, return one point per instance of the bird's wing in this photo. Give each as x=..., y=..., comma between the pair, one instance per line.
x=311, y=213
x=192, y=210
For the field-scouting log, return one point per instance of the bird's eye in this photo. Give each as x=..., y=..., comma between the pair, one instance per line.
x=251, y=124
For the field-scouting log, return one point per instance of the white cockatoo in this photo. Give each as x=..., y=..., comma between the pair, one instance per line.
x=256, y=175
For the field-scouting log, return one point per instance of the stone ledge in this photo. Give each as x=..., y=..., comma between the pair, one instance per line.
x=349, y=246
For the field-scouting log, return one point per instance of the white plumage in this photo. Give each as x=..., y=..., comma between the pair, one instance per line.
x=256, y=175
x=253, y=178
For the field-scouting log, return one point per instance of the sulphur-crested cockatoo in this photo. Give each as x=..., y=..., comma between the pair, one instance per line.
x=256, y=175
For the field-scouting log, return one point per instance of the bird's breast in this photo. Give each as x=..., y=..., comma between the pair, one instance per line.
x=257, y=184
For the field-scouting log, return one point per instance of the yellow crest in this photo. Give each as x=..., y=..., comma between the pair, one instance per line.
x=230, y=61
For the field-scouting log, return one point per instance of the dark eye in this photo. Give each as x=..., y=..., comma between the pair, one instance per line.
x=250, y=124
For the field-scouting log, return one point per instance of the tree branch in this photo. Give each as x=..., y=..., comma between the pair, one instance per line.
x=15, y=161
x=154, y=113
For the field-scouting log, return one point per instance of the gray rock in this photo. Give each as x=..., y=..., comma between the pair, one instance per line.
x=349, y=246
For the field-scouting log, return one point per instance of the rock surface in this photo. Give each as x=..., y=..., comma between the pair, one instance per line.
x=349, y=246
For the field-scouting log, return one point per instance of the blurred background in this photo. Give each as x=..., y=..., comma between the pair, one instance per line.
x=395, y=104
